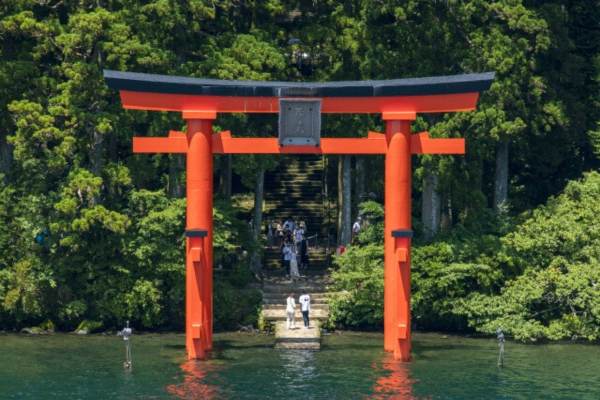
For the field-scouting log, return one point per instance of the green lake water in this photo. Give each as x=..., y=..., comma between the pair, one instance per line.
x=245, y=366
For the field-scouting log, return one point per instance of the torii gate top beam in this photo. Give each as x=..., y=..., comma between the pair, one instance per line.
x=415, y=95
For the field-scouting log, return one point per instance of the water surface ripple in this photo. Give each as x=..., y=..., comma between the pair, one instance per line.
x=245, y=366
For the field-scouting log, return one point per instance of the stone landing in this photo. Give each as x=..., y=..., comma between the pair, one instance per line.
x=276, y=289
x=298, y=338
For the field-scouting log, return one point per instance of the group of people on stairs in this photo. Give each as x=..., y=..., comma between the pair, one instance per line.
x=293, y=245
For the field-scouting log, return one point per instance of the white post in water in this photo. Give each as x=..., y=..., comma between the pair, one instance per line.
x=126, y=335
x=501, y=344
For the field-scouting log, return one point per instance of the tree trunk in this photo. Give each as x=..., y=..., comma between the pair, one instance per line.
x=446, y=217
x=226, y=176
x=176, y=186
x=346, y=237
x=6, y=156
x=432, y=206
x=501, y=178
x=359, y=190
x=259, y=190
x=113, y=150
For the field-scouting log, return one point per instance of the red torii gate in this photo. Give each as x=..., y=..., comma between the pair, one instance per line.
x=199, y=100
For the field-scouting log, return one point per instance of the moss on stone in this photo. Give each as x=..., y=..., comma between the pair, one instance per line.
x=48, y=325
x=91, y=326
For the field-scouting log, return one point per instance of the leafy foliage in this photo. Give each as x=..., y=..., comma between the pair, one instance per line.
x=88, y=231
x=557, y=295
x=360, y=278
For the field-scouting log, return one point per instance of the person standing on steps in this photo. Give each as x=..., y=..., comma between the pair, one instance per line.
x=281, y=253
x=291, y=312
x=356, y=228
x=305, y=301
x=298, y=232
x=294, y=274
x=287, y=257
x=270, y=233
x=304, y=253
x=280, y=229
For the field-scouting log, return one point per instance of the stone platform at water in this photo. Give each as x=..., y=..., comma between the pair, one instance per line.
x=298, y=338
x=276, y=289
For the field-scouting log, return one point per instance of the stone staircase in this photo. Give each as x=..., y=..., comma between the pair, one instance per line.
x=296, y=191
x=276, y=289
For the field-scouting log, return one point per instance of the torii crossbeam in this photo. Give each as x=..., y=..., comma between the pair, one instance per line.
x=199, y=101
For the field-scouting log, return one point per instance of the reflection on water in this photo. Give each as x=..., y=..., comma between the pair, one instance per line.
x=194, y=384
x=395, y=385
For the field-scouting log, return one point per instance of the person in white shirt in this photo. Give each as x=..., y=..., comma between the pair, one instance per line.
x=291, y=312
x=298, y=232
x=356, y=227
x=305, y=301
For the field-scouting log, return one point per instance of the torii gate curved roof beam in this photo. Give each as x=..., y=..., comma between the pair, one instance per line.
x=414, y=95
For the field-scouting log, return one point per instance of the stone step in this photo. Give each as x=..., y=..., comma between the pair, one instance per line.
x=276, y=260
x=279, y=306
x=313, y=265
x=310, y=212
x=317, y=298
x=311, y=206
x=311, y=250
x=298, y=169
x=282, y=301
x=293, y=180
x=277, y=198
x=310, y=220
x=316, y=267
x=308, y=215
x=281, y=315
x=312, y=261
x=312, y=255
x=310, y=197
x=288, y=288
x=308, y=207
x=299, y=178
x=292, y=186
x=317, y=254
x=298, y=338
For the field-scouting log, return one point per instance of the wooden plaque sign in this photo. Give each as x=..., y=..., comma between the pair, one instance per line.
x=299, y=122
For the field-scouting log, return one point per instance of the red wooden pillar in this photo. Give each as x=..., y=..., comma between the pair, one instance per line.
x=397, y=250
x=199, y=226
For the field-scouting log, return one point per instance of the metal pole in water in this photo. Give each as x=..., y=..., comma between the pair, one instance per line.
x=501, y=344
x=126, y=335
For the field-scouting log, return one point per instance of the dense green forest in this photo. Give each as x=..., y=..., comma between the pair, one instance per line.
x=506, y=234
